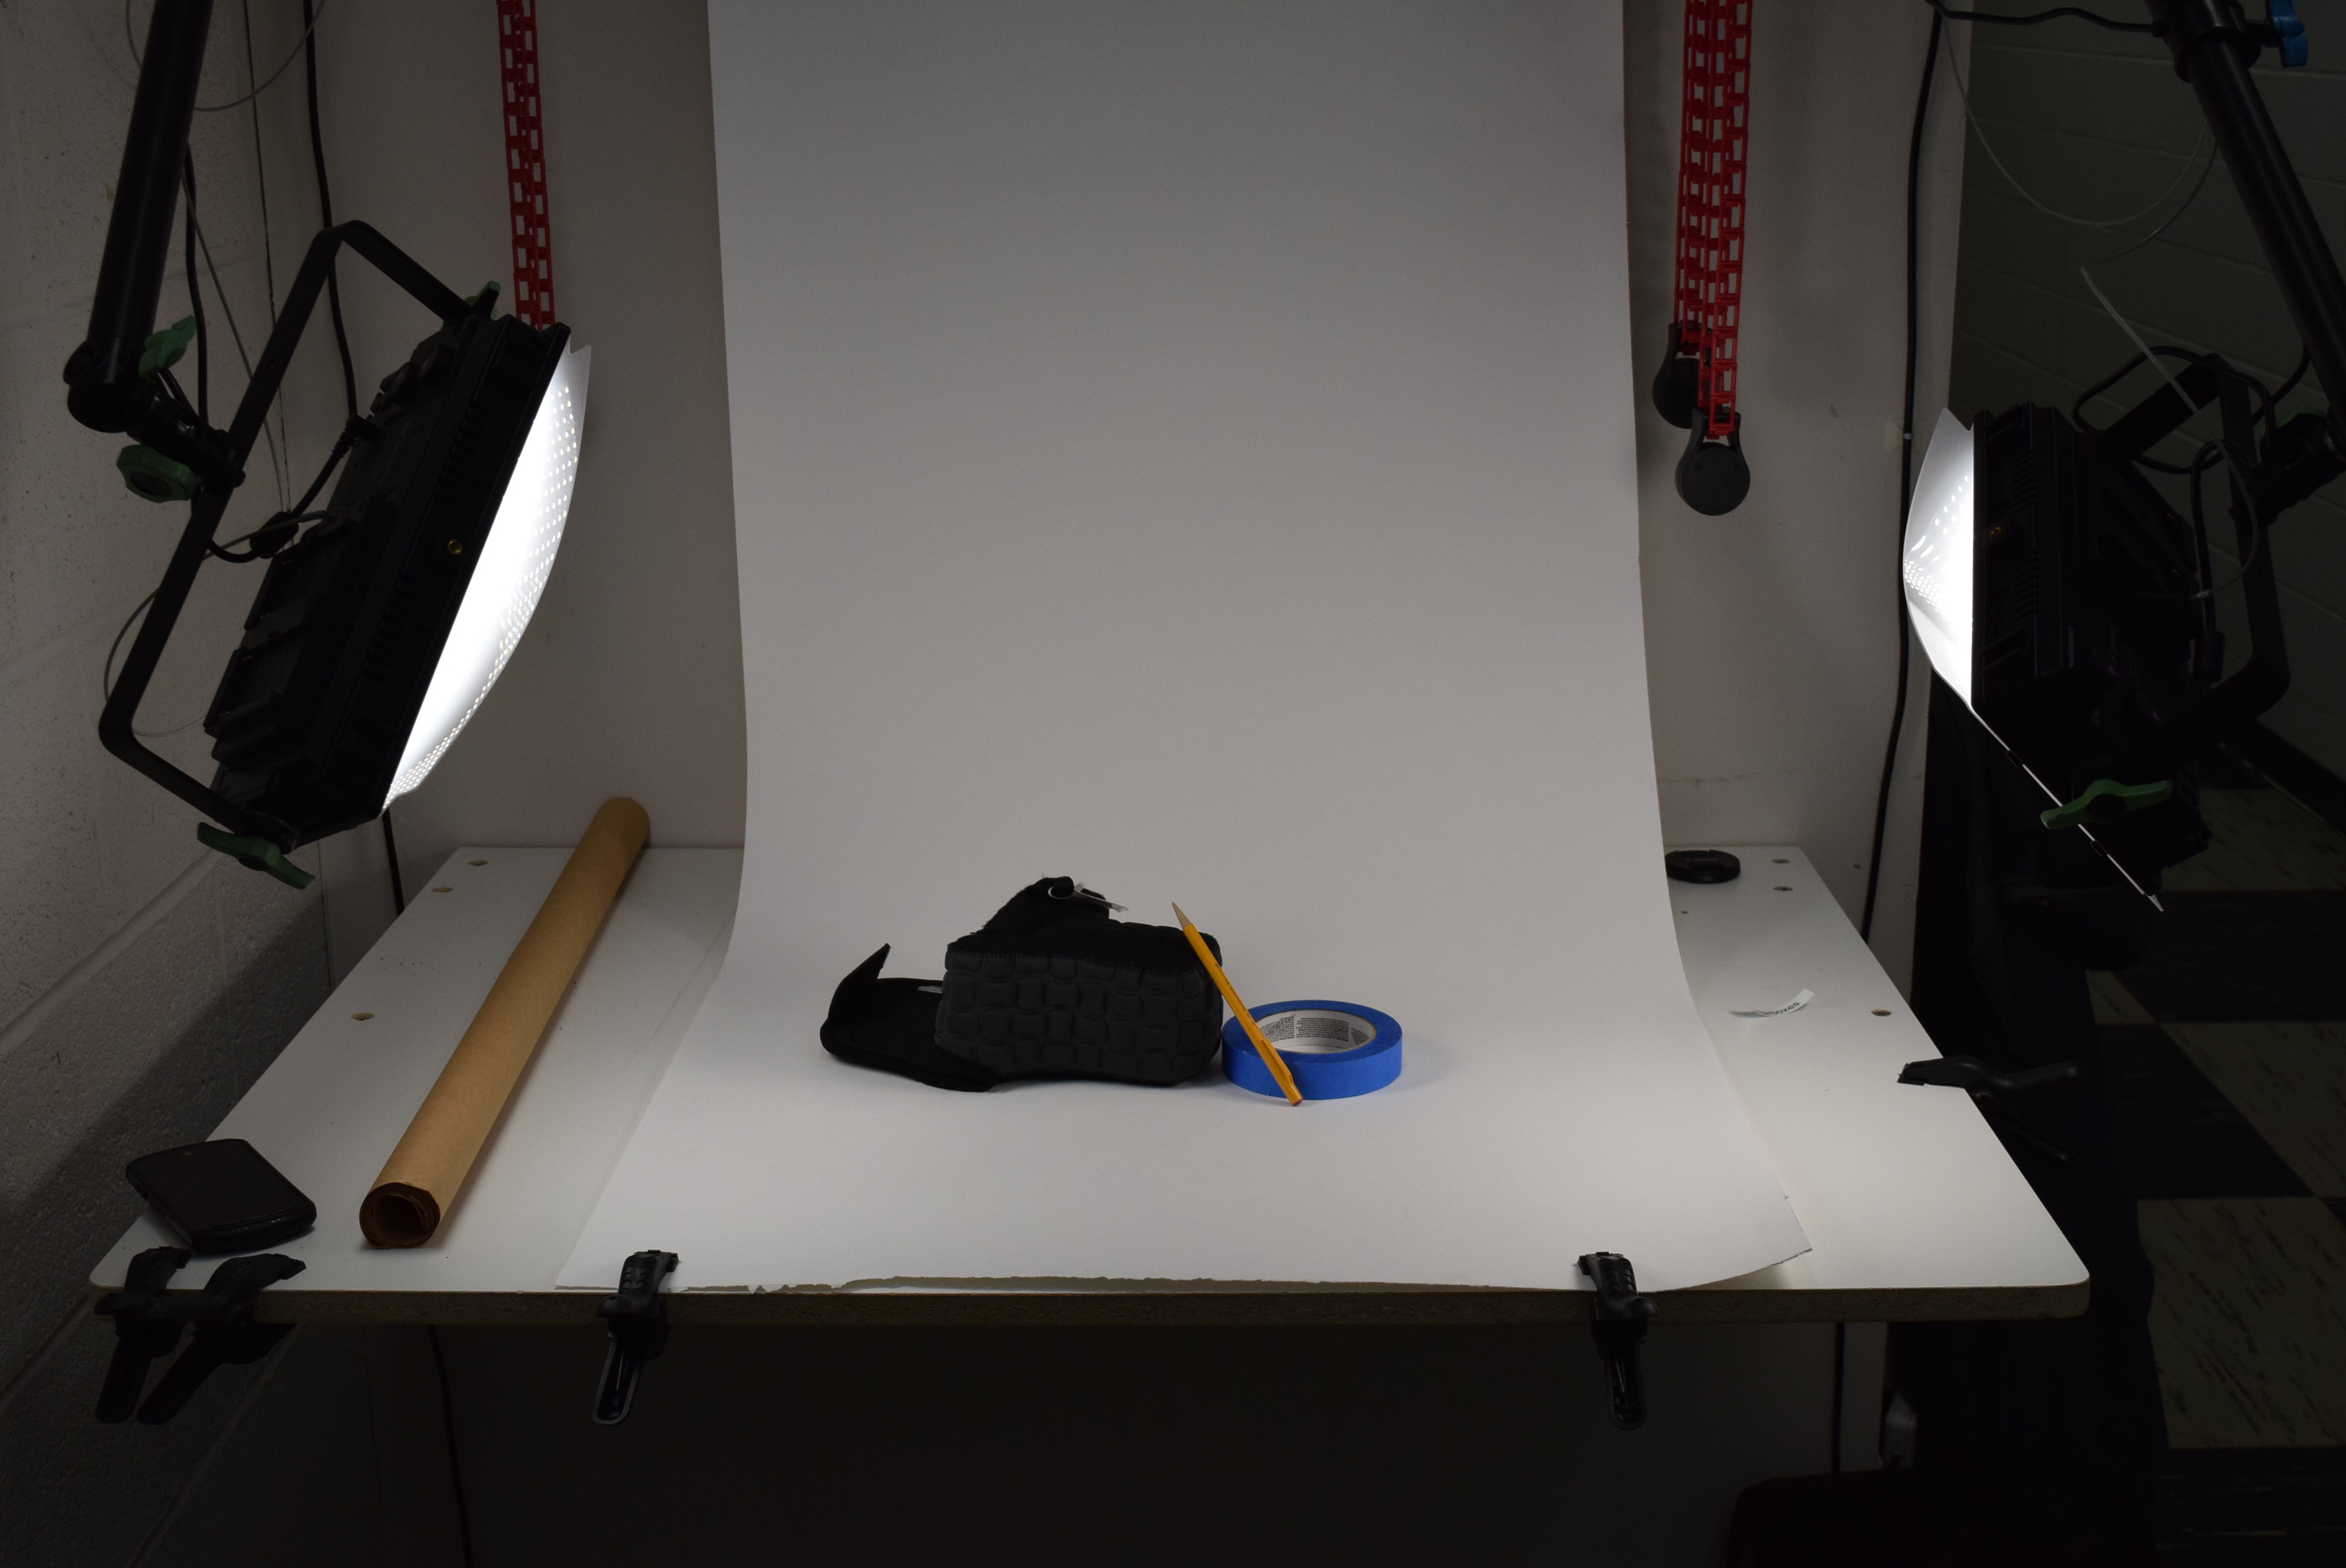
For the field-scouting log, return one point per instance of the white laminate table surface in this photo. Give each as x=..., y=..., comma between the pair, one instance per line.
x=1912, y=1209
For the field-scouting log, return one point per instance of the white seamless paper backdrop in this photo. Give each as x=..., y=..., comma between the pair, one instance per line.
x=1187, y=447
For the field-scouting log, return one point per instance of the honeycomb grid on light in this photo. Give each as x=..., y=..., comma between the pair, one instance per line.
x=1937, y=567
x=507, y=582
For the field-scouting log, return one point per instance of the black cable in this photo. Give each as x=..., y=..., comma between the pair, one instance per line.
x=195, y=298
x=2202, y=461
x=170, y=383
x=1905, y=627
x=1841, y=1373
x=351, y=402
x=106, y=681
x=1905, y=469
x=2304, y=362
x=2201, y=563
x=221, y=552
x=2267, y=398
x=448, y=1426
x=2112, y=23
x=267, y=243
x=326, y=208
x=298, y=513
x=341, y=448
x=2199, y=464
x=228, y=312
x=236, y=336
x=132, y=36
x=391, y=851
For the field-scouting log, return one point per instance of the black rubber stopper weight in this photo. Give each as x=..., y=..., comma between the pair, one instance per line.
x=1712, y=476
x=1675, y=383
x=1702, y=866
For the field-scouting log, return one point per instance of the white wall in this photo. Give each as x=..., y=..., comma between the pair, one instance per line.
x=1771, y=633
x=630, y=682
x=144, y=980
x=2097, y=125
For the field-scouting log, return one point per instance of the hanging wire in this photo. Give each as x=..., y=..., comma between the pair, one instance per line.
x=195, y=243
x=2145, y=352
x=107, y=680
x=2031, y=20
x=2235, y=471
x=340, y=449
x=130, y=37
x=2083, y=271
x=113, y=649
x=326, y=208
x=2304, y=364
x=276, y=463
x=279, y=449
x=196, y=296
x=2156, y=362
x=2267, y=403
x=1905, y=483
x=1963, y=91
x=448, y=1432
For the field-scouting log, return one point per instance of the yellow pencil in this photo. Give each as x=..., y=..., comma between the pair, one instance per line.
x=1270, y=1058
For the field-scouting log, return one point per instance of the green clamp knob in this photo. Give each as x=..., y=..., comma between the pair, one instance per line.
x=164, y=348
x=257, y=852
x=485, y=303
x=2107, y=801
x=155, y=477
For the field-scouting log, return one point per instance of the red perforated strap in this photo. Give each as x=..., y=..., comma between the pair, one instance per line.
x=1712, y=146
x=525, y=163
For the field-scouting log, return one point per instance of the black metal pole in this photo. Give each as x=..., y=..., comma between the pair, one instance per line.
x=106, y=393
x=116, y=725
x=2213, y=51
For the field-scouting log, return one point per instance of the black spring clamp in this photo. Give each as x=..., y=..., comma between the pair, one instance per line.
x=147, y=1319
x=1620, y=1332
x=638, y=1321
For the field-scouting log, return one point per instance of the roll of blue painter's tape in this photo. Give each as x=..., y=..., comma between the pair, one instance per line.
x=1334, y=1049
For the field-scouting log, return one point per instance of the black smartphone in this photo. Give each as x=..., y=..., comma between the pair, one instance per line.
x=222, y=1196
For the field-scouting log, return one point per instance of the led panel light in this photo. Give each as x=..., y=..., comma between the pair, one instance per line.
x=507, y=579
x=2053, y=591
x=1938, y=567
x=376, y=635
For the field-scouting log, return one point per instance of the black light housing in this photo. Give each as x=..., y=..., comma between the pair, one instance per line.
x=2073, y=610
x=376, y=633
x=2061, y=598
x=314, y=714
x=2096, y=650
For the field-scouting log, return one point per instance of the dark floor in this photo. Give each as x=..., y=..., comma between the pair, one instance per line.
x=2227, y=1047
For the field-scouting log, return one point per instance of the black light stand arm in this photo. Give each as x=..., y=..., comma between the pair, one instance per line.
x=107, y=392
x=2213, y=47
x=115, y=725
x=2262, y=679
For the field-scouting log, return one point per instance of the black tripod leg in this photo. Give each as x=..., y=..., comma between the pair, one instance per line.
x=138, y=1339
x=1621, y=1346
x=231, y=1347
x=136, y=1344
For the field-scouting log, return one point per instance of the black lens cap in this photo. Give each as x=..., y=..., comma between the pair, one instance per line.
x=1702, y=866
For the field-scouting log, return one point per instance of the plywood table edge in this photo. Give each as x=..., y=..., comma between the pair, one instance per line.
x=1168, y=1308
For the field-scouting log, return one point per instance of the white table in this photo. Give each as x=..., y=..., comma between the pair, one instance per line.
x=1912, y=1209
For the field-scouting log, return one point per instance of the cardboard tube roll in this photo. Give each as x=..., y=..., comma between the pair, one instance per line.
x=419, y=1181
